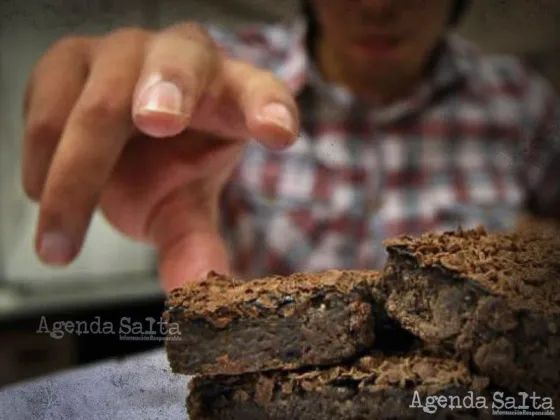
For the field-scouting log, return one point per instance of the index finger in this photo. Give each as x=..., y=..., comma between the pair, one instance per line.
x=91, y=143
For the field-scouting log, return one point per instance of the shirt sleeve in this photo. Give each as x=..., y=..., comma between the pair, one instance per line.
x=542, y=148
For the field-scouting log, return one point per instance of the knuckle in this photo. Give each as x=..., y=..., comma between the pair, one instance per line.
x=84, y=185
x=196, y=32
x=76, y=192
x=73, y=45
x=43, y=129
x=72, y=42
x=101, y=109
x=107, y=104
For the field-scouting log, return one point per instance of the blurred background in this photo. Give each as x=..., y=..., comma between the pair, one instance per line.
x=115, y=278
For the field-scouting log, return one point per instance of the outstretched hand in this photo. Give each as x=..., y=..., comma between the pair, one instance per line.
x=147, y=126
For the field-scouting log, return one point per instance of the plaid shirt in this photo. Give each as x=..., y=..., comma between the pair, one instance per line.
x=476, y=139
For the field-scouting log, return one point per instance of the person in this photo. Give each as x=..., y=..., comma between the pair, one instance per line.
x=293, y=146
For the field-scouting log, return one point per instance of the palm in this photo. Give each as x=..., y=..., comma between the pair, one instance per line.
x=177, y=176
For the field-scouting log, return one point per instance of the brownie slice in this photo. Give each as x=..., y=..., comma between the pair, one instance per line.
x=531, y=225
x=373, y=387
x=491, y=298
x=227, y=326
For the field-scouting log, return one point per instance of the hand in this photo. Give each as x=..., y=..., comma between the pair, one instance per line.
x=148, y=127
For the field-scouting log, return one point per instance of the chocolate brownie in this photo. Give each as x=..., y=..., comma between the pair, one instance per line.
x=531, y=225
x=227, y=326
x=373, y=387
x=491, y=298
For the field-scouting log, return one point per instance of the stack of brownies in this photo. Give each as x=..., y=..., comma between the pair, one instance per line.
x=452, y=321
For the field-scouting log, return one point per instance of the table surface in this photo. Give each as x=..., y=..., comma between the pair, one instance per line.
x=137, y=387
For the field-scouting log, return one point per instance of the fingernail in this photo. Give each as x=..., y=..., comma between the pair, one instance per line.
x=161, y=97
x=278, y=114
x=56, y=248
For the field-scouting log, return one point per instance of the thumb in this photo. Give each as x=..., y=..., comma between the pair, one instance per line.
x=191, y=257
x=184, y=228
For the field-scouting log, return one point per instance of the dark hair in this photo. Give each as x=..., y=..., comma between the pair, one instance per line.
x=457, y=12
x=312, y=26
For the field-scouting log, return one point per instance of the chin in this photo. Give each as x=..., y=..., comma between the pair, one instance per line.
x=375, y=67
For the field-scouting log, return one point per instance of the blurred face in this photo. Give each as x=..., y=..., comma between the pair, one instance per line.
x=379, y=40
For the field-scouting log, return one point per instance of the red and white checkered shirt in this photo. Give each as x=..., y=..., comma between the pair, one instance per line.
x=475, y=140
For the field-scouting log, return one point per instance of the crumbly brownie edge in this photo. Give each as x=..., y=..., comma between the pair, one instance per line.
x=326, y=329
x=518, y=349
x=523, y=266
x=221, y=299
x=374, y=387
